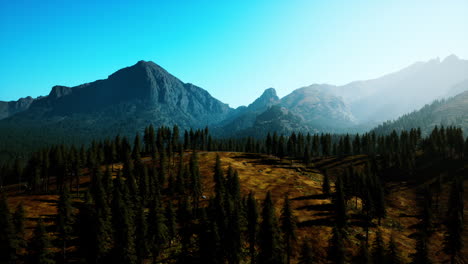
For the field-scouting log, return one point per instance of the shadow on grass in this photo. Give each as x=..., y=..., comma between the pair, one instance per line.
x=329, y=221
x=317, y=207
x=311, y=197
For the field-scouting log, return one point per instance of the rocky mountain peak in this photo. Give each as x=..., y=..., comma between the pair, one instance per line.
x=267, y=99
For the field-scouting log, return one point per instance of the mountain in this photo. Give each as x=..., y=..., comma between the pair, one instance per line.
x=446, y=112
x=8, y=109
x=124, y=103
x=409, y=89
x=308, y=109
x=319, y=107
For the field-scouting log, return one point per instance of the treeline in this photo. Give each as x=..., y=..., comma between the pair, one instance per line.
x=156, y=208
x=63, y=162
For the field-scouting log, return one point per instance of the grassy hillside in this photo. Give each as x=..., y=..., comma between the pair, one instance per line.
x=314, y=212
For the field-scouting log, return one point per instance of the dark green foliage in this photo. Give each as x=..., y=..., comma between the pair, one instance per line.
x=306, y=255
x=393, y=254
x=158, y=232
x=18, y=222
x=252, y=225
x=269, y=241
x=39, y=247
x=363, y=256
x=124, y=229
x=453, y=242
x=336, y=250
x=421, y=256
x=378, y=250
x=64, y=220
x=7, y=236
x=339, y=203
x=141, y=234
x=288, y=228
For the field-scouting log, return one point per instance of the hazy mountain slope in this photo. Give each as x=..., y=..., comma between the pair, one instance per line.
x=447, y=112
x=312, y=109
x=409, y=89
x=8, y=109
x=319, y=107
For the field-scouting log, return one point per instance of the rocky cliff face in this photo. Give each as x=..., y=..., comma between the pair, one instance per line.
x=8, y=109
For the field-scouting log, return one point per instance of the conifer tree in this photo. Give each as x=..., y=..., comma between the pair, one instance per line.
x=336, y=250
x=124, y=241
x=7, y=237
x=209, y=241
x=170, y=221
x=269, y=240
x=288, y=228
x=64, y=221
x=378, y=251
x=363, y=256
x=393, y=254
x=453, y=242
x=339, y=203
x=158, y=231
x=18, y=222
x=252, y=225
x=39, y=246
x=421, y=256
x=306, y=256
x=141, y=234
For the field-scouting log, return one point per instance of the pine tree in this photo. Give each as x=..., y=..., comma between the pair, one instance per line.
x=7, y=237
x=378, y=252
x=336, y=250
x=393, y=254
x=123, y=226
x=141, y=234
x=18, y=222
x=209, y=241
x=288, y=227
x=170, y=221
x=39, y=246
x=363, y=256
x=339, y=203
x=421, y=256
x=64, y=220
x=306, y=256
x=252, y=225
x=269, y=244
x=158, y=231
x=453, y=242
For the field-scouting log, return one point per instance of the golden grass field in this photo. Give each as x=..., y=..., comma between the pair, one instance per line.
x=261, y=173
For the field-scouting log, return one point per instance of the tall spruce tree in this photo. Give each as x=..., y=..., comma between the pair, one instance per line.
x=306, y=255
x=453, y=242
x=18, y=222
x=393, y=255
x=378, y=251
x=64, y=221
x=252, y=225
x=336, y=249
x=39, y=248
x=269, y=240
x=340, y=203
x=7, y=237
x=288, y=228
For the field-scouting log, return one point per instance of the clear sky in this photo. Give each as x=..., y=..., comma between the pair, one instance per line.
x=233, y=49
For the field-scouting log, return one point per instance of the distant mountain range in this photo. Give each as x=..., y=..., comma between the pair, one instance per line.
x=145, y=93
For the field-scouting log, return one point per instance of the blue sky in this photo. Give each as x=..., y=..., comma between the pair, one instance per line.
x=233, y=49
